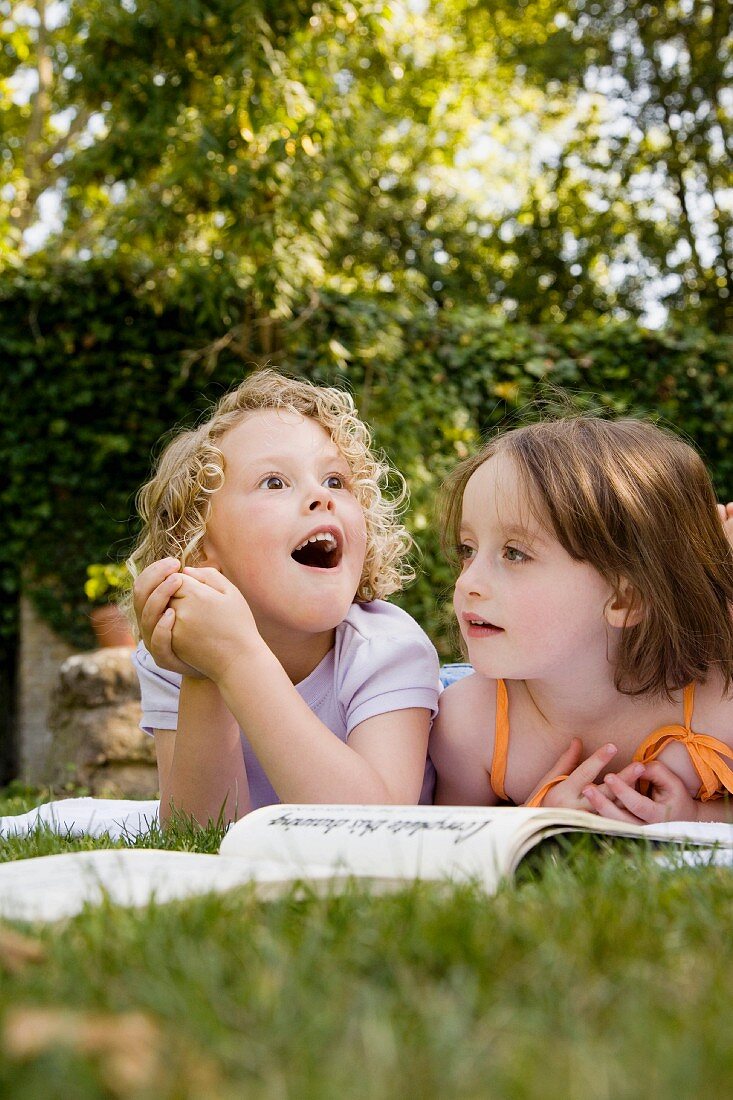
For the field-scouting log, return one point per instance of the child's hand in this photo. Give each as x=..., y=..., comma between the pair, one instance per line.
x=151, y=595
x=213, y=625
x=669, y=799
x=570, y=793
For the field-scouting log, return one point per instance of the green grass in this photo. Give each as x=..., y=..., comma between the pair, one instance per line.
x=597, y=973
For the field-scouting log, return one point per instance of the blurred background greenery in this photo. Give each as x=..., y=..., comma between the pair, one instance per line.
x=445, y=206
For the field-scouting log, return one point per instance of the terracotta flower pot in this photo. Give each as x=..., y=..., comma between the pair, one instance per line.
x=110, y=626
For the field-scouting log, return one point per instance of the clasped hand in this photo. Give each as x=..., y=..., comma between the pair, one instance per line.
x=617, y=796
x=192, y=621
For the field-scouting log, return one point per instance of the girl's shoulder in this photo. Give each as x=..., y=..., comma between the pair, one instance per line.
x=467, y=710
x=382, y=659
x=713, y=710
x=471, y=685
x=379, y=619
x=462, y=741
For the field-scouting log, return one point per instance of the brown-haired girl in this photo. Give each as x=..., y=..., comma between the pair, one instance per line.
x=594, y=601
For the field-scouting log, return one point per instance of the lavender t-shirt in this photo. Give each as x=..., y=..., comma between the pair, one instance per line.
x=381, y=661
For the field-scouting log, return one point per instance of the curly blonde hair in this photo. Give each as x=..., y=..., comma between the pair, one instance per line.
x=174, y=505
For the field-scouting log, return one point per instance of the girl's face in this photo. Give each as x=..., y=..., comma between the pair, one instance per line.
x=526, y=609
x=285, y=527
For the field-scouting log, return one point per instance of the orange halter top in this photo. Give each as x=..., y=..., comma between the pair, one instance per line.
x=706, y=753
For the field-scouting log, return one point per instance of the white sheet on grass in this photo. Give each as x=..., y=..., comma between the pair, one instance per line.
x=128, y=818
x=118, y=817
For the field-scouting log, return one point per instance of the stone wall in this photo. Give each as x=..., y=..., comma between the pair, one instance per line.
x=78, y=716
x=94, y=720
x=41, y=654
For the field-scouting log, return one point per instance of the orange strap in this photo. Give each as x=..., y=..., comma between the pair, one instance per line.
x=539, y=796
x=501, y=742
x=706, y=753
x=501, y=751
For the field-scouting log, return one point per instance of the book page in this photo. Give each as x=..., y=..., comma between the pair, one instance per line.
x=457, y=843
x=403, y=842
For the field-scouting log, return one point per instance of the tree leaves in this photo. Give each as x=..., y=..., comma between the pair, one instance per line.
x=550, y=161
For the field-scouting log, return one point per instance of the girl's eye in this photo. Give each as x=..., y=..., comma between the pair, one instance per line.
x=272, y=481
x=512, y=553
x=334, y=481
x=465, y=552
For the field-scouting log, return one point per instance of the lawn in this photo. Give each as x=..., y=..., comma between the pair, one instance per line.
x=597, y=973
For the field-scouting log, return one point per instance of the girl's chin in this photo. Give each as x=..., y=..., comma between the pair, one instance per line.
x=316, y=624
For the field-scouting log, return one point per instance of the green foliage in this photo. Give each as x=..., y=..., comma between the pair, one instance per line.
x=630, y=193
x=98, y=372
x=105, y=580
x=94, y=378
x=552, y=160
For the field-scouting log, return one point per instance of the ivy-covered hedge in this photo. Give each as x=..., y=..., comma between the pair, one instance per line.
x=95, y=372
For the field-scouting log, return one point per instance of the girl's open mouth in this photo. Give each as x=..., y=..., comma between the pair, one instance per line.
x=476, y=627
x=321, y=550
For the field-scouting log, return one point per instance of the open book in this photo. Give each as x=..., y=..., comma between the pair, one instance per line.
x=323, y=846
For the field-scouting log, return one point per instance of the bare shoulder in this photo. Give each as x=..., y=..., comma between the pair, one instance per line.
x=713, y=712
x=469, y=699
x=462, y=741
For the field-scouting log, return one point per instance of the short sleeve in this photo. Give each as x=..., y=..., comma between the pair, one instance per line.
x=387, y=673
x=159, y=692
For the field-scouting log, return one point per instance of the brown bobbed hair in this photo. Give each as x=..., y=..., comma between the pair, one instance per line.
x=636, y=502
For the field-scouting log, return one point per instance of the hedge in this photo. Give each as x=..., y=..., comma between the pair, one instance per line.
x=96, y=372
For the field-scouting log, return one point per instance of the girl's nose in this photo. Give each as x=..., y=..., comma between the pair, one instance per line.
x=321, y=498
x=473, y=581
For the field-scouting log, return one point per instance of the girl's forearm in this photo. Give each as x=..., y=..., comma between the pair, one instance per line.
x=718, y=809
x=207, y=779
x=301, y=757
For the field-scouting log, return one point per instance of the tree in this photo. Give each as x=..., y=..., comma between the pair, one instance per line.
x=232, y=145
x=636, y=198
x=549, y=160
x=41, y=121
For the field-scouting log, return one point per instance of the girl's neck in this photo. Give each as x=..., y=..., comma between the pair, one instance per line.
x=588, y=707
x=300, y=654
x=575, y=697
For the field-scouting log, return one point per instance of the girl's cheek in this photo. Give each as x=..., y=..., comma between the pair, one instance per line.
x=357, y=533
x=461, y=586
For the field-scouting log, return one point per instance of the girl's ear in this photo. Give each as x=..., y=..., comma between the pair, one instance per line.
x=625, y=608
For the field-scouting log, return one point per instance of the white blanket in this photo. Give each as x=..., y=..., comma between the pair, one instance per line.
x=121, y=817
x=126, y=818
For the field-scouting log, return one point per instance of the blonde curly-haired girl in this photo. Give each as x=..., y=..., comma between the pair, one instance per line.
x=271, y=666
